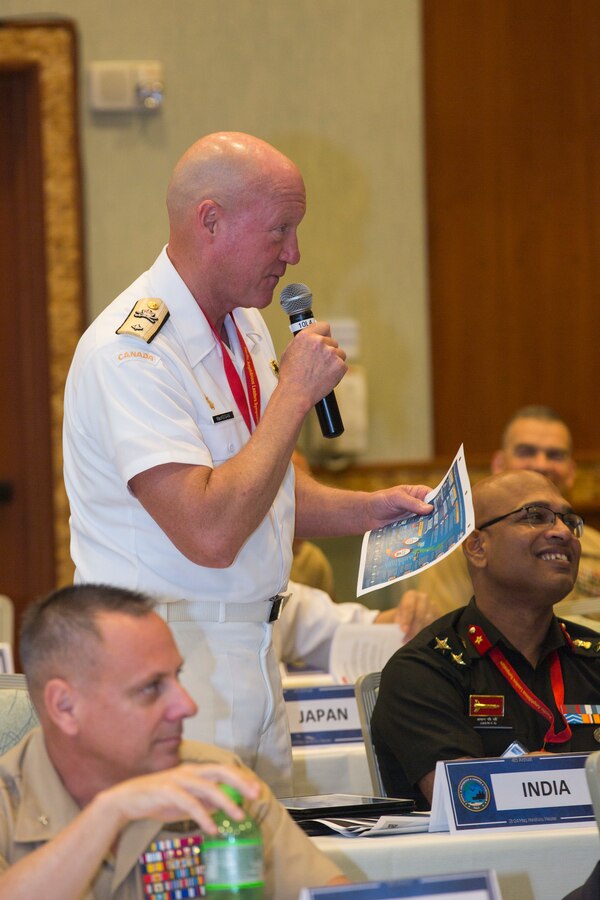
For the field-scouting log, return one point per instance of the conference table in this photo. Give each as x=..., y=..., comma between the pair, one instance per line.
x=542, y=864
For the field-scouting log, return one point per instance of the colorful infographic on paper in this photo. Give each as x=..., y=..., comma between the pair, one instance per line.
x=410, y=545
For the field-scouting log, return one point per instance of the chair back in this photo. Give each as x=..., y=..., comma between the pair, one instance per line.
x=366, y=689
x=592, y=774
x=17, y=715
x=7, y=620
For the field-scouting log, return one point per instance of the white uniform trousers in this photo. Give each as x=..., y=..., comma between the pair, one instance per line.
x=231, y=671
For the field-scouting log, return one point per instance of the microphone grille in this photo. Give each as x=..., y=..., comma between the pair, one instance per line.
x=295, y=298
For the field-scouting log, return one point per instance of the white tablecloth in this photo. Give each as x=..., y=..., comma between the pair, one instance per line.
x=331, y=769
x=306, y=679
x=531, y=865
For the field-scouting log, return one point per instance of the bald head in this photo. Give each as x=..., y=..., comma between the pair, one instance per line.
x=498, y=494
x=228, y=167
x=516, y=561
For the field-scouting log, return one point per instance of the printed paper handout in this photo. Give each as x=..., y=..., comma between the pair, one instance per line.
x=356, y=649
x=414, y=543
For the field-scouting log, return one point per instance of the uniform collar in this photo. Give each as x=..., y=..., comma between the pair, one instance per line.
x=471, y=615
x=46, y=806
x=186, y=317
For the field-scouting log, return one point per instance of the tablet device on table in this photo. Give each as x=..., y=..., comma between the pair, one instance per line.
x=322, y=806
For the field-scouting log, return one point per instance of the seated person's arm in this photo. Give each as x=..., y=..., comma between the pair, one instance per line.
x=425, y=785
x=414, y=611
x=64, y=868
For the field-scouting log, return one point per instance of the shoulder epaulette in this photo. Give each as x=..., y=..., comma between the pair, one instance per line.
x=145, y=319
x=589, y=644
x=592, y=646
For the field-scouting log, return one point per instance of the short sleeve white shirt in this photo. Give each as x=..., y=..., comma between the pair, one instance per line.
x=130, y=406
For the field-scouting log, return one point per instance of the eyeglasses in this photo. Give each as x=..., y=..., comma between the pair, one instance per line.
x=541, y=517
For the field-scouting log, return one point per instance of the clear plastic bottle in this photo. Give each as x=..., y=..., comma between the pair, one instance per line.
x=233, y=858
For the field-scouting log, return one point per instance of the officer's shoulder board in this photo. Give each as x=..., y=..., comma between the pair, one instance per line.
x=587, y=646
x=583, y=645
x=145, y=319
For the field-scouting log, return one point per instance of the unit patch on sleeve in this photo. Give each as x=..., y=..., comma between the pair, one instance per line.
x=145, y=319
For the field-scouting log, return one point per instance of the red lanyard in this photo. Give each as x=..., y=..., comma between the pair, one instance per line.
x=234, y=381
x=482, y=645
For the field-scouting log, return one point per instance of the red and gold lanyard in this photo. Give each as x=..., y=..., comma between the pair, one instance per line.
x=482, y=645
x=234, y=381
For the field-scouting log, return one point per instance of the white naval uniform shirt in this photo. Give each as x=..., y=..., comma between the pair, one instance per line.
x=311, y=618
x=130, y=406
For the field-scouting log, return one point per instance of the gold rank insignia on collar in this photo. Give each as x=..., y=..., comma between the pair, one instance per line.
x=441, y=644
x=145, y=319
x=274, y=367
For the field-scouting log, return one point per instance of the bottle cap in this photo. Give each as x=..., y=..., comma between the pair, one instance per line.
x=232, y=792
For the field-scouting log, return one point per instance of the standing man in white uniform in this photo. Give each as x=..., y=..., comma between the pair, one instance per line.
x=178, y=434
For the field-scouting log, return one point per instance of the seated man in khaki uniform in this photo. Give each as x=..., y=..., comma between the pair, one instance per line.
x=83, y=797
x=535, y=438
x=504, y=668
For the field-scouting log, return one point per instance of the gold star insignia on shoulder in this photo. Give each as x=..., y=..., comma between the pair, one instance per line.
x=457, y=658
x=145, y=319
x=441, y=644
x=586, y=645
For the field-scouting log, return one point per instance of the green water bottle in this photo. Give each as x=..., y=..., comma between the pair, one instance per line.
x=233, y=858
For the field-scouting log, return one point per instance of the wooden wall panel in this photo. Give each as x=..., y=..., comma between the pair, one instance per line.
x=512, y=111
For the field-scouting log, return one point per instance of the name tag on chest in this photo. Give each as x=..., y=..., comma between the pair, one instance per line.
x=326, y=714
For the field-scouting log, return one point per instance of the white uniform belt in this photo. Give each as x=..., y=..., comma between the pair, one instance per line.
x=222, y=611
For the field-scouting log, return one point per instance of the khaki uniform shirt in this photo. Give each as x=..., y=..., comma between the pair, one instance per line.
x=35, y=807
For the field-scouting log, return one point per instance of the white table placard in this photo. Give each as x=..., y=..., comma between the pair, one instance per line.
x=327, y=714
x=467, y=886
x=511, y=792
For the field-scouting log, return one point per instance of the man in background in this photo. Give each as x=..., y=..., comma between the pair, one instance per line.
x=535, y=438
x=304, y=634
x=106, y=775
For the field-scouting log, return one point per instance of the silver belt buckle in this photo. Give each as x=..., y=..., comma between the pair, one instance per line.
x=277, y=604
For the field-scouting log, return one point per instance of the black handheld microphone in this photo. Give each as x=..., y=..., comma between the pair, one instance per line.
x=295, y=300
